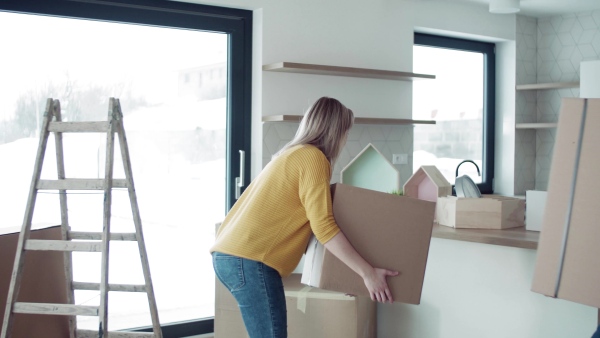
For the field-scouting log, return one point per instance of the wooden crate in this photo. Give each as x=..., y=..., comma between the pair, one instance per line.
x=487, y=212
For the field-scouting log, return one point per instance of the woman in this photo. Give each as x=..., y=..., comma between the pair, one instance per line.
x=264, y=235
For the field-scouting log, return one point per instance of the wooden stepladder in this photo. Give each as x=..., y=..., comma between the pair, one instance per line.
x=86, y=241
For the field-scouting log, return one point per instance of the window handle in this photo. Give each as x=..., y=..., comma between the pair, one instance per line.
x=239, y=181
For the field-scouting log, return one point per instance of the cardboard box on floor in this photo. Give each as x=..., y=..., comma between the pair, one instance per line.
x=389, y=231
x=43, y=281
x=579, y=278
x=311, y=312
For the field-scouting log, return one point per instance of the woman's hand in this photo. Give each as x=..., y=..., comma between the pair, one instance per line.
x=376, y=283
x=374, y=278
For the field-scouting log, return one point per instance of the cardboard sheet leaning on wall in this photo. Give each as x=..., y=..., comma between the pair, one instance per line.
x=43, y=280
x=567, y=258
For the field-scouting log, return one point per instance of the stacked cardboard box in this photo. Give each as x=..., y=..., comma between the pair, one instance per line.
x=389, y=231
x=311, y=313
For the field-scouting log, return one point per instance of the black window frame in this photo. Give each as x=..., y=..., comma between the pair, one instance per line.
x=237, y=23
x=489, y=95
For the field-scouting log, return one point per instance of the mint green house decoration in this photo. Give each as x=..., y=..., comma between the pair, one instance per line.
x=370, y=169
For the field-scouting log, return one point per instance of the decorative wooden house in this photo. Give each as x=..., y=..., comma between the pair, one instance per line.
x=427, y=183
x=370, y=169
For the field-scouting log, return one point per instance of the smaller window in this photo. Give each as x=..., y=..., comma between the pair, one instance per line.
x=461, y=101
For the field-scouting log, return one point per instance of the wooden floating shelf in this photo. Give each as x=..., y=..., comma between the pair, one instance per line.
x=553, y=85
x=536, y=125
x=304, y=68
x=514, y=237
x=357, y=120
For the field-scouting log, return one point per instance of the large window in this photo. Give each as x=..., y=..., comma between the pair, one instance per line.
x=461, y=101
x=182, y=74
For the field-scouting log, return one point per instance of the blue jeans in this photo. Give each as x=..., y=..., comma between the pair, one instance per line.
x=258, y=290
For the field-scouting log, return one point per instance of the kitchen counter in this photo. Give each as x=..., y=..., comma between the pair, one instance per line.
x=513, y=237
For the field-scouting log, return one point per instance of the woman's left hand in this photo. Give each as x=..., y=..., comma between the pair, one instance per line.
x=376, y=283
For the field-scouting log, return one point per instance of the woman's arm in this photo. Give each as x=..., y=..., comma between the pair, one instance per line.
x=374, y=278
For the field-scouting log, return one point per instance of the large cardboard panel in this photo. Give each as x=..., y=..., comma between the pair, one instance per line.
x=311, y=313
x=579, y=280
x=389, y=231
x=43, y=281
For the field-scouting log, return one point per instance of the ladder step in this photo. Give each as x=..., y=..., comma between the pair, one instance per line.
x=79, y=127
x=79, y=184
x=114, y=334
x=52, y=245
x=55, y=309
x=115, y=236
x=111, y=287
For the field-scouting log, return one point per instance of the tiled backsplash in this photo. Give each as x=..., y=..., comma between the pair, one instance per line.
x=526, y=104
x=388, y=139
x=548, y=50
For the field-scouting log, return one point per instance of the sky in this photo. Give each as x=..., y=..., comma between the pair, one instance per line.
x=50, y=48
x=458, y=86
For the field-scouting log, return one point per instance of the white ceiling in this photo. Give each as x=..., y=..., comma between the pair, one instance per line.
x=545, y=8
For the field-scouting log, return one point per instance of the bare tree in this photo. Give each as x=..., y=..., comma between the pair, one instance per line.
x=78, y=104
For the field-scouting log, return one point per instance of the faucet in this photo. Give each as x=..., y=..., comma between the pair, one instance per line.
x=475, y=164
x=456, y=175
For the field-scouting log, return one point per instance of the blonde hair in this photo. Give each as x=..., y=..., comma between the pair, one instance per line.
x=324, y=126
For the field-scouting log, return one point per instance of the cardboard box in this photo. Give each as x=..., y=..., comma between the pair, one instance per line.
x=535, y=203
x=311, y=313
x=43, y=281
x=567, y=256
x=487, y=212
x=389, y=231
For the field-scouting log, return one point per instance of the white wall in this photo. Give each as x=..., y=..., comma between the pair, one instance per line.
x=349, y=33
x=481, y=290
x=471, y=290
x=504, y=163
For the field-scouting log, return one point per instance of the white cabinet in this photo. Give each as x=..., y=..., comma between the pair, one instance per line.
x=590, y=79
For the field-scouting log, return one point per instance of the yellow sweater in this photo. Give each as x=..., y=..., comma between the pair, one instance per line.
x=273, y=219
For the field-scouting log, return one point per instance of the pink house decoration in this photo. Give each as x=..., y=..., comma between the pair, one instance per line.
x=427, y=183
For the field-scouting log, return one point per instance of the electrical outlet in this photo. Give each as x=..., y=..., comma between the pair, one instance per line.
x=400, y=158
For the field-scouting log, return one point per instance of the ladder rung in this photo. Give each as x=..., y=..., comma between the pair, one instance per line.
x=97, y=236
x=55, y=309
x=79, y=127
x=52, y=245
x=79, y=184
x=114, y=334
x=111, y=287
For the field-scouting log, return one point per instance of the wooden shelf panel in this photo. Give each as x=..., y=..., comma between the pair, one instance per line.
x=539, y=125
x=304, y=68
x=357, y=120
x=553, y=85
x=515, y=237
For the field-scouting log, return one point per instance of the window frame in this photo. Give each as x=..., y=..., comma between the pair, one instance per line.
x=237, y=23
x=489, y=96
